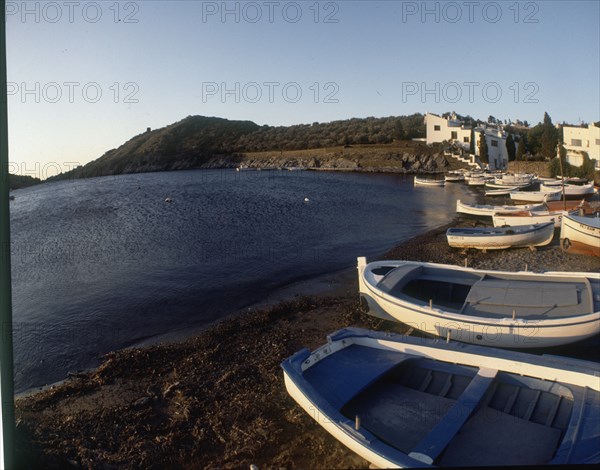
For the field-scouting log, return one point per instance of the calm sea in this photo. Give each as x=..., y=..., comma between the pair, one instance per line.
x=105, y=263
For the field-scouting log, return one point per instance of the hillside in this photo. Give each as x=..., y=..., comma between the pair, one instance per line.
x=210, y=142
x=21, y=181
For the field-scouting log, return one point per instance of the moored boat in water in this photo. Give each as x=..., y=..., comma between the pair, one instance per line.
x=399, y=401
x=428, y=182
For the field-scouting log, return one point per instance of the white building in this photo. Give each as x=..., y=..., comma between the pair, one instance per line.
x=496, y=146
x=440, y=129
x=582, y=139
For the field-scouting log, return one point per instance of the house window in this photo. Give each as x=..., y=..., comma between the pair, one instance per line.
x=597, y=141
x=494, y=143
x=576, y=142
x=466, y=139
x=437, y=128
x=454, y=135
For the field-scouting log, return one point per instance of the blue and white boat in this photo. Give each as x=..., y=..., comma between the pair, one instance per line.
x=499, y=238
x=400, y=401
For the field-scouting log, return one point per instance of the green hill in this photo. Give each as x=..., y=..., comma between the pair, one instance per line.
x=199, y=141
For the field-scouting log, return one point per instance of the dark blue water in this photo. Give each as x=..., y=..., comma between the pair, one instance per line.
x=106, y=263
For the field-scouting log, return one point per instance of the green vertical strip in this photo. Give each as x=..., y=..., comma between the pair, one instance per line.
x=6, y=343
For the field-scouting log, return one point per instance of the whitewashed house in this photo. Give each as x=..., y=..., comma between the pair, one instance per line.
x=577, y=140
x=495, y=138
x=440, y=129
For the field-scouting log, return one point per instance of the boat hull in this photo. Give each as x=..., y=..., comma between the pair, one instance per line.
x=502, y=332
x=477, y=210
x=502, y=219
x=580, y=234
x=498, y=238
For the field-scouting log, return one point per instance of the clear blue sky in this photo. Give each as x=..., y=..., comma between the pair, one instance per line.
x=84, y=77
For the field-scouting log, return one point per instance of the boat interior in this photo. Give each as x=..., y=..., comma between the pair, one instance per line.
x=492, y=296
x=449, y=414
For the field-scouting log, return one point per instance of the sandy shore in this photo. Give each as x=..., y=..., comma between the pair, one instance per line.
x=218, y=400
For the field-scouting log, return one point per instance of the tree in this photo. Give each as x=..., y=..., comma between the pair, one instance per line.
x=520, y=156
x=510, y=148
x=483, y=148
x=549, y=138
x=472, y=142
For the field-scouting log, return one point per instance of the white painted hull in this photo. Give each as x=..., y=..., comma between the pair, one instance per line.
x=535, y=196
x=571, y=190
x=503, y=219
x=583, y=230
x=499, y=238
x=497, y=332
x=426, y=182
x=488, y=211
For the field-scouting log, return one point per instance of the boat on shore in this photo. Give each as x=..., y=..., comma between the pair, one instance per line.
x=522, y=309
x=570, y=190
x=498, y=238
x=516, y=218
x=535, y=196
x=484, y=210
x=428, y=182
x=580, y=233
x=500, y=191
x=400, y=401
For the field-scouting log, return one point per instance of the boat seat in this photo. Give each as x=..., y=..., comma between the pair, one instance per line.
x=496, y=298
x=438, y=439
x=344, y=374
x=399, y=277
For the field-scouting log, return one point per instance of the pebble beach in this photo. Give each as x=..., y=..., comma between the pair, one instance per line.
x=218, y=400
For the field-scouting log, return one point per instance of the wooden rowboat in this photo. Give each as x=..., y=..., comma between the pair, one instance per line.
x=497, y=238
x=522, y=309
x=580, y=233
x=400, y=401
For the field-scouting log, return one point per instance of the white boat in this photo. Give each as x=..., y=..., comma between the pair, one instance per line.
x=493, y=308
x=580, y=230
x=536, y=196
x=454, y=177
x=484, y=210
x=399, y=401
x=571, y=190
x=516, y=218
x=500, y=191
x=428, y=182
x=519, y=178
x=514, y=186
x=499, y=238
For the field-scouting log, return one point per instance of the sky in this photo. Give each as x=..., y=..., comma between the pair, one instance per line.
x=86, y=76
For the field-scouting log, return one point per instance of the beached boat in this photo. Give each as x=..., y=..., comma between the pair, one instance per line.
x=399, y=401
x=498, y=238
x=500, y=191
x=570, y=190
x=493, y=308
x=428, y=182
x=484, y=210
x=580, y=230
x=536, y=196
x=514, y=186
x=510, y=179
x=516, y=218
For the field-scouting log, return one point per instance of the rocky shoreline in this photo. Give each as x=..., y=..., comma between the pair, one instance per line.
x=217, y=400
